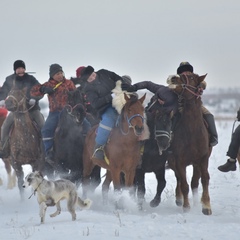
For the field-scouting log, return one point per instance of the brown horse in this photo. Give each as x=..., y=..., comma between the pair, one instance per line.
x=122, y=150
x=190, y=143
x=11, y=175
x=25, y=139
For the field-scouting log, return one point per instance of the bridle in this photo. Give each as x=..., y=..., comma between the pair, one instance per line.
x=186, y=86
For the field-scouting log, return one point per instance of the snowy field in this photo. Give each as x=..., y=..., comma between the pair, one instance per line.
x=20, y=220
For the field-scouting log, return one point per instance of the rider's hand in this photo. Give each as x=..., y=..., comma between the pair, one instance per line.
x=32, y=102
x=128, y=88
x=2, y=103
x=46, y=90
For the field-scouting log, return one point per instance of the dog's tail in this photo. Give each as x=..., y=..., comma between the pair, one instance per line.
x=86, y=204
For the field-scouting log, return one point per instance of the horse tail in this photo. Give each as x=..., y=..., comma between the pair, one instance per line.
x=86, y=204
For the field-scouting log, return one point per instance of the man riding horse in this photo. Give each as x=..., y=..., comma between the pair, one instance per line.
x=20, y=80
x=170, y=100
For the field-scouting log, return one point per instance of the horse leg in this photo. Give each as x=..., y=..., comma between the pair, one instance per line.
x=140, y=184
x=184, y=188
x=87, y=170
x=20, y=175
x=206, y=207
x=11, y=176
x=129, y=179
x=95, y=177
x=195, y=182
x=160, y=176
x=105, y=186
x=115, y=174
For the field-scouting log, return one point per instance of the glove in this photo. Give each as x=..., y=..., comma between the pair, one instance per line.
x=238, y=115
x=2, y=103
x=46, y=90
x=128, y=88
x=32, y=102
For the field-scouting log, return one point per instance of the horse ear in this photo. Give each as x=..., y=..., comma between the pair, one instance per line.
x=142, y=98
x=126, y=97
x=201, y=78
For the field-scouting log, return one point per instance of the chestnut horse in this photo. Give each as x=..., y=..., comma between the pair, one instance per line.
x=122, y=149
x=190, y=144
x=25, y=139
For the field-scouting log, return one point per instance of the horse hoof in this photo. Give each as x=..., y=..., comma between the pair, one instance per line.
x=207, y=211
x=179, y=203
x=155, y=202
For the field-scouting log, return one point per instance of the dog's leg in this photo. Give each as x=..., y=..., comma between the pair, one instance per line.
x=42, y=211
x=71, y=204
x=58, y=210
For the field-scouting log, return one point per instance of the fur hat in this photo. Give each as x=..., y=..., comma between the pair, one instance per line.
x=17, y=64
x=127, y=79
x=54, y=68
x=84, y=72
x=184, y=66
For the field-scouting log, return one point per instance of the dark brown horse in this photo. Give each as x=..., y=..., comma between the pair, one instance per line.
x=25, y=139
x=190, y=143
x=122, y=150
x=10, y=174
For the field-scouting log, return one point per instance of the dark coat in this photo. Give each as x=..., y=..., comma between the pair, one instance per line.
x=98, y=92
x=162, y=92
x=20, y=83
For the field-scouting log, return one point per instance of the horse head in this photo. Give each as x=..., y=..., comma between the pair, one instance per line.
x=133, y=113
x=16, y=100
x=160, y=124
x=185, y=84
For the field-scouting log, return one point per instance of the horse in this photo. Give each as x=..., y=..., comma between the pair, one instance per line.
x=122, y=151
x=154, y=154
x=11, y=175
x=154, y=157
x=190, y=144
x=25, y=138
x=69, y=140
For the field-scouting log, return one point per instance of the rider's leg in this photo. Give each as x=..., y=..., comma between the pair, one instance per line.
x=213, y=141
x=48, y=131
x=108, y=121
x=5, y=130
x=232, y=152
x=38, y=118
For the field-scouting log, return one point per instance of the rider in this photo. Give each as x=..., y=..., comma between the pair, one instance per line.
x=57, y=88
x=19, y=79
x=97, y=87
x=233, y=148
x=184, y=67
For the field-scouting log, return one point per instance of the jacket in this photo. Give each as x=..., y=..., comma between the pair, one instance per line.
x=20, y=83
x=59, y=98
x=98, y=92
x=160, y=92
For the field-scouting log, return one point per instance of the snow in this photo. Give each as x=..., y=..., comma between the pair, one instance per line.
x=20, y=220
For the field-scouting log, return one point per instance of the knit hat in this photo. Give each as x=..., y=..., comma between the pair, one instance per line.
x=127, y=79
x=17, y=64
x=54, y=68
x=184, y=67
x=84, y=72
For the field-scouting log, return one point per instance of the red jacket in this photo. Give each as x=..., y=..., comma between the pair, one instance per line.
x=59, y=98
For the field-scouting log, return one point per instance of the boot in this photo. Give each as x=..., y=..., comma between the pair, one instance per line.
x=4, y=149
x=98, y=152
x=230, y=165
x=213, y=140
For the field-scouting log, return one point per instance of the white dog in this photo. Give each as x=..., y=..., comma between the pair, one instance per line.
x=50, y=193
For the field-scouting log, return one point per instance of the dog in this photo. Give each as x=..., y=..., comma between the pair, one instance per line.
x=50, y=193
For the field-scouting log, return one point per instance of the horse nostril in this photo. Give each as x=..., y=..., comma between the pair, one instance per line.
x=138, y=129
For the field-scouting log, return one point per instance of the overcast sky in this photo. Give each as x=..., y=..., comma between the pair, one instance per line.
x=146, y=39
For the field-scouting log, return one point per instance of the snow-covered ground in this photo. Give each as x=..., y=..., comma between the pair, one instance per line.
x=20, y=220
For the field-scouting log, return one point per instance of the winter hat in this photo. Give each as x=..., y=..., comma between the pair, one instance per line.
x=54, y=68
x=127, y=79
x=85, y=72
x=184, y=66
x=79, y=71
x=17, y=64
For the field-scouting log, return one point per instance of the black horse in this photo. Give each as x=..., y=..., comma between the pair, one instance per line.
x=154, y=155
x=69, y=141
